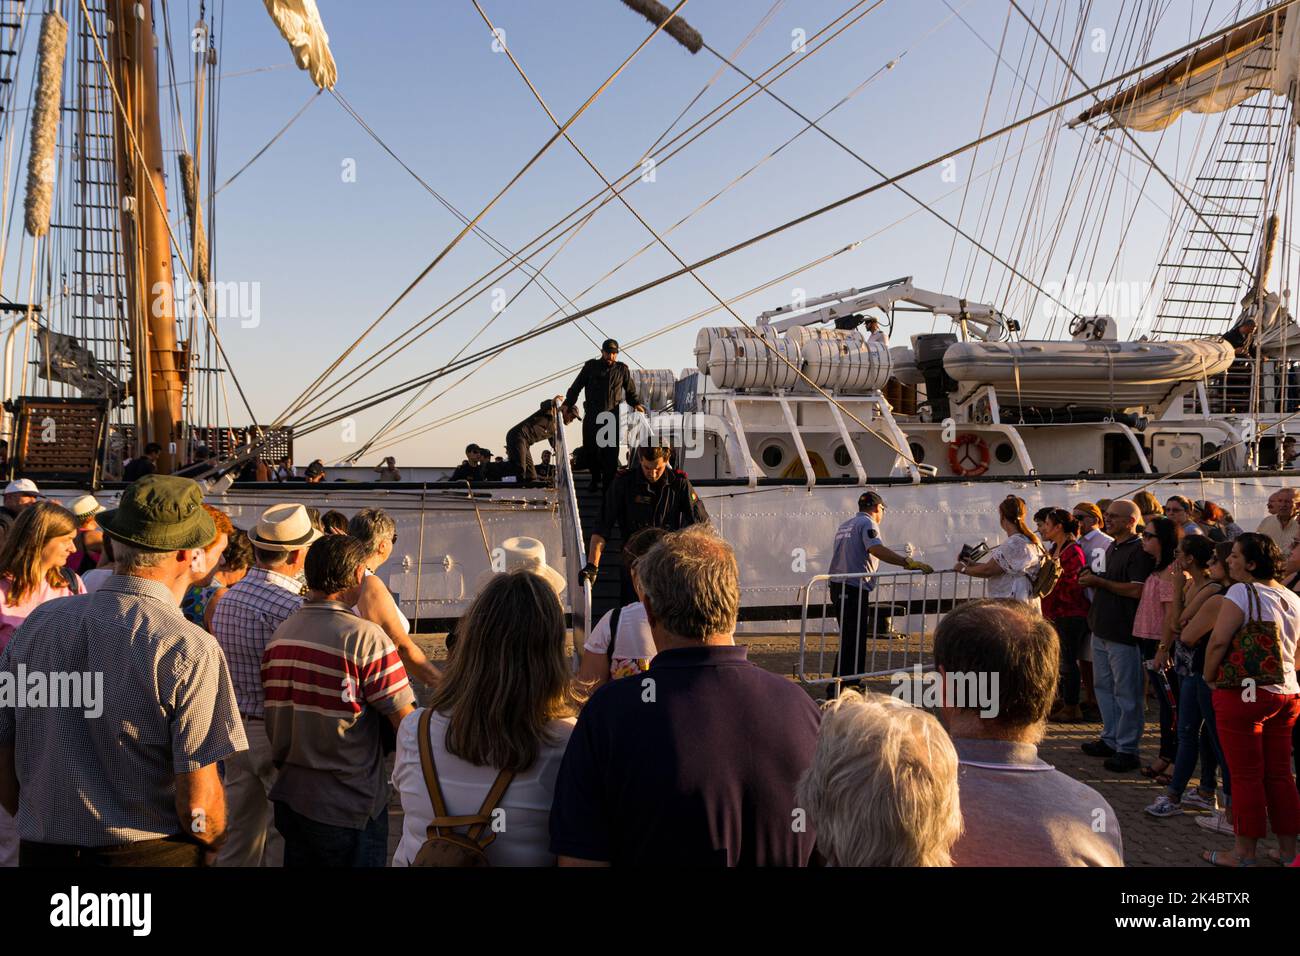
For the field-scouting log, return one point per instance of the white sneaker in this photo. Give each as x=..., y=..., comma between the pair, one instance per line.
x=1194, y=798
x=1216, y=822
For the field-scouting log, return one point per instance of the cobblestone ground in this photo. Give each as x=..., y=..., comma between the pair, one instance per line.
x=1148, y=841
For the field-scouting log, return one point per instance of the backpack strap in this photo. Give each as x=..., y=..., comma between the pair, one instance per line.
x=613, y=632
x=441, y=821
x=499, y=787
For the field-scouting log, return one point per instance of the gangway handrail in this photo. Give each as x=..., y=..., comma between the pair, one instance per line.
x=571, y=536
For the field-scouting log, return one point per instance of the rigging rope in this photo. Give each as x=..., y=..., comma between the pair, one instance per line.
x=906, y=456
x=272, y=141
x=632, y=175
x=298, y=402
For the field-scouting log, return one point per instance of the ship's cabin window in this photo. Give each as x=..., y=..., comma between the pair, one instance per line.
x=842, y=456
x=1003, y=452
x=917, y=450
x=772, y=456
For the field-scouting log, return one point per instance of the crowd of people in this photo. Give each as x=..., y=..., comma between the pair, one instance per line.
x=256, y=683
x=1177, y=602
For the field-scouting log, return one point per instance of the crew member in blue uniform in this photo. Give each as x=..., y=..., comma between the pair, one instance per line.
x=858, y=550
x=652, y=494
x=602, y=381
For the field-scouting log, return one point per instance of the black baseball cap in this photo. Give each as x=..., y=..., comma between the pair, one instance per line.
x=609, y=345
x=870, y=501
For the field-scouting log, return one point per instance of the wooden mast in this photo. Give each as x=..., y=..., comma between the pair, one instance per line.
x=156, y=363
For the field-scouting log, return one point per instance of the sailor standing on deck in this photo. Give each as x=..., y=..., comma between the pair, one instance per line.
x=601, y=381
x=859, y=550
x=649, y=495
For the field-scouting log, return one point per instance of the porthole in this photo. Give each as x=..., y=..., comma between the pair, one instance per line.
x=842, y=457
x=917, y=450
x=1004, y=452
x=772, y=456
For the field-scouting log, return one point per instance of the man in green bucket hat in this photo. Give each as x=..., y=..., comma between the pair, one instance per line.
x=126, y=774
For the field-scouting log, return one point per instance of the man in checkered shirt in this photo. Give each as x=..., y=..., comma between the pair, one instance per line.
x=243, y=622
x=135, y=784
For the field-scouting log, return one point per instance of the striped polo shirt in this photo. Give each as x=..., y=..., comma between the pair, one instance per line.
x=330, y=681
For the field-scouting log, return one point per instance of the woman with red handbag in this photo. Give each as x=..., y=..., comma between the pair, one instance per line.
x=1250, y=661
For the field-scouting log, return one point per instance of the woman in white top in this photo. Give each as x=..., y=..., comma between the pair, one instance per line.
x=1255, y=728
x=506, y=703
x=378, y=532
x=1013, y=565
x=607, y=657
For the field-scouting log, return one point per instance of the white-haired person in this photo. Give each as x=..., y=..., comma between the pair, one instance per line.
x=882, y=788
x=375, y=529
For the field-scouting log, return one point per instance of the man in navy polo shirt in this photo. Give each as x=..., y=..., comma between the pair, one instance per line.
x=695, y=761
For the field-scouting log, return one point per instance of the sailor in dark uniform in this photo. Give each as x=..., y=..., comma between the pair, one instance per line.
x=602, y=381
x=651, y=494
x=539, y=426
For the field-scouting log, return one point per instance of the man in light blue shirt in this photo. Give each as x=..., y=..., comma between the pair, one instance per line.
x=858, y=550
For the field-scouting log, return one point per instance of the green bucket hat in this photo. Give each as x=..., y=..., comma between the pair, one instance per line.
x=160, y=513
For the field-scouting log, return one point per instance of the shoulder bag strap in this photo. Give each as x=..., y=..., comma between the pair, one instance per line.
x=613, y=631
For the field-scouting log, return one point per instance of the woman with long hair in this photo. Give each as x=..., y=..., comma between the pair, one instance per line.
x=1067, y=608
x=506, y=703
x=1154, y=627
x=33, y=570
x=1255, y=729
x=1205, y=582
x=33, y=563
x=1013, y=565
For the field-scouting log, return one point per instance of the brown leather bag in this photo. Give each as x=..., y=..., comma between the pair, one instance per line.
x=443, y=846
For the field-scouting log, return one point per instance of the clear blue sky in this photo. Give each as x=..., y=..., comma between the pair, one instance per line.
x=329, y=255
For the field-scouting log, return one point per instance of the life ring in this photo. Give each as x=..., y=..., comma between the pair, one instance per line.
x=968, y=455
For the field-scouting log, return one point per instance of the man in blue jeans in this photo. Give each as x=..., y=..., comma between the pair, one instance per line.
x=1116, y=656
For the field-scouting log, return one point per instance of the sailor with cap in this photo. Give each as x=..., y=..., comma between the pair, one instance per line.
x=856, y=554
x=603, y=381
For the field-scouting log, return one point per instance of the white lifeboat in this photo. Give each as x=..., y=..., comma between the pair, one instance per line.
x=1104, y=374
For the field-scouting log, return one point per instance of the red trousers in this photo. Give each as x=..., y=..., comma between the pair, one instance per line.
x=1256, y=740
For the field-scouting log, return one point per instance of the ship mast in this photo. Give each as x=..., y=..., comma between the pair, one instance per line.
x=156, y=362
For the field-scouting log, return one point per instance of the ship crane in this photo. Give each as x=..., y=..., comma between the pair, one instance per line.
x=975, y=320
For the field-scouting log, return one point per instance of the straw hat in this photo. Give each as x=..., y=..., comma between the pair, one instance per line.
x=85, y=507
x=529, y=554
x=283, y=527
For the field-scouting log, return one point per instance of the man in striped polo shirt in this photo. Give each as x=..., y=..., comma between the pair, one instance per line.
x=330, y=680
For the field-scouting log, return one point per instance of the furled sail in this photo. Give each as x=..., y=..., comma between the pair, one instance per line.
x=1261, y=56
x=300, y=23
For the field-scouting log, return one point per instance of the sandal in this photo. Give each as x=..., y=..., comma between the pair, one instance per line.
x=1221, y=858
x=1277, y=857
x=1151, y=772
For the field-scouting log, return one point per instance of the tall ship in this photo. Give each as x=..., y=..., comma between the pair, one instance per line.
x=931, y=391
